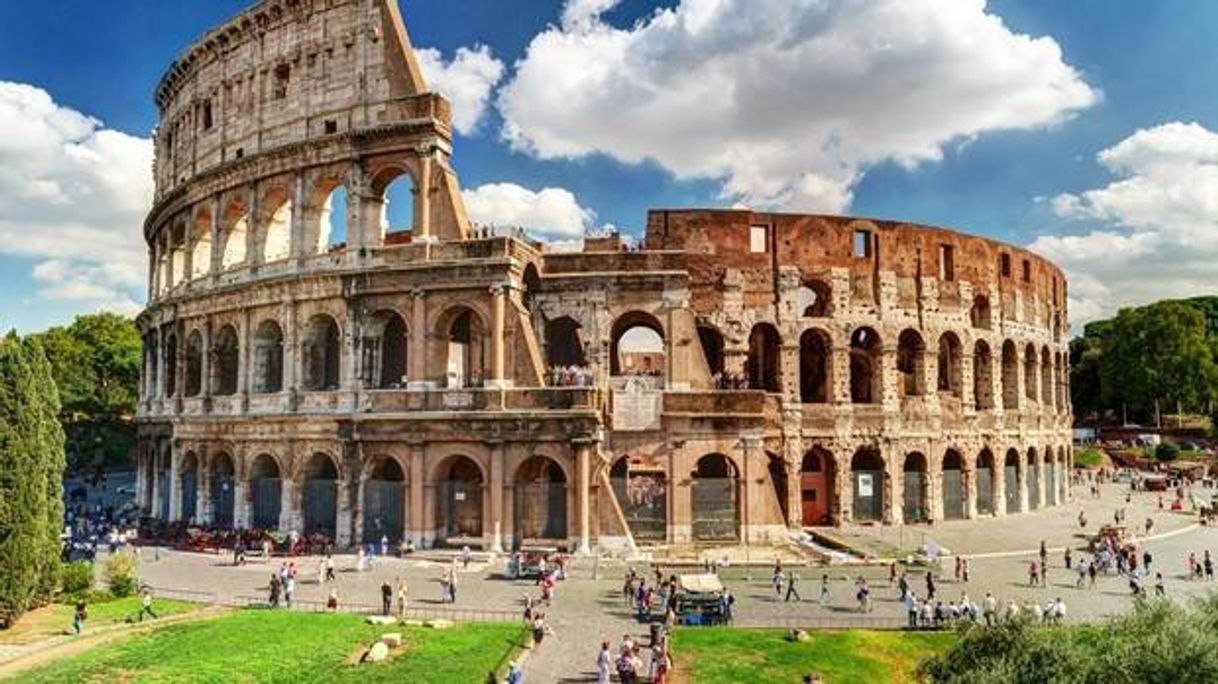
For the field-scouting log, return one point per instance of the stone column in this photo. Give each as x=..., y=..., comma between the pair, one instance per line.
x=244, y=354
x=1040, y=479
x=422, y=201
x=839, y=390
x=970, y=487
x=188, y=257
x=497, y=377
x=242, y=501
x=497, y=465
x=750, y=444
x=417, y=356
x=203, y=475
x=887, y=380
x=583, y=452
x=152, y=273
x=346, y=498
x=417, y=526
x=156, y=480
x=175, y=482
x=1022, y=474
x=934, y=483
x=296, y=249
x=289, y=504
x=350, y=371
x=141, y=462
x=1000, y=485
x=160, y=363
x=217, y=243
x=253, y=232
x=291, y=350
x=894, y=493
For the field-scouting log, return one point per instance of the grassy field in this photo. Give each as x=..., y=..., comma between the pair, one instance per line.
x=279, y=646
x=708, y=655
x=56, y=618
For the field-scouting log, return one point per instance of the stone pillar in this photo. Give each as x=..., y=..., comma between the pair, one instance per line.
x=203, y=475
x=350, y=372
x=244, y=356
x=156, y=480
x=422, y=202
x=188, y=257
x=417, y=526
x=291, y=350
x=887, y=381
x=217, y=244
x=1022, y=474
x=160, y=363
x=253, y=232
x=290, y=500
x=970, y=487
x=1040, y=479
x=152, y=273
x=140, y=465
x=242, y=501
x=934, y=484
x=583, y=451
x=1000, y=485
x=347, y=497
x=175, y=482
x=497, y=377
x=417, y=356
x=750, y=444
x=297, y=248
x=496, y=518
x=839, y=390
x=894, y=471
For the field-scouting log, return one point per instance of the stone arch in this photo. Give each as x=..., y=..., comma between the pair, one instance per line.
x=540, y=492
x=638, y=346
x=194, y=363
x=327, y=230
x=268, y=358
x=383, y=362
x=275, y=224
x=955, y=495
x=764, y=363
x=322, y=347
x=911, y=362
x=866, y=385
x=226, y=362
x=223, y=490
x=465, y=334
x=715, y=499
x=188, y=479
x=384, y=500
x=815, y=299
x=1030, y=372
x=392, y=201
x=984, y=477
x=200, y=256
x=459, y=499
x=530, y=280
x=867, y=480
x=979, y=314
x=642, y=492
x=817, y=482
x=266, y=491
x=815, y=366
x=951, y=365
x=983, y=378
x=320, y=500
x=916, y=494
x=1010, y=376
x=564, y=347
x=234, y=232
x=1012, y=475
x=712, y=348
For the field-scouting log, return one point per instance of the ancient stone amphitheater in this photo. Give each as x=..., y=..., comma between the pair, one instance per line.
x=308, y=366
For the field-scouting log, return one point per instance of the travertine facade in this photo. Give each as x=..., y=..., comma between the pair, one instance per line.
x=401, y=381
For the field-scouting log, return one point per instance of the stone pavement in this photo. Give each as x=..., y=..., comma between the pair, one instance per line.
x=587, y=610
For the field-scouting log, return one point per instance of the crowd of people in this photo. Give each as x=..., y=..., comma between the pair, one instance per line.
x=569, y=376
x=728, y=380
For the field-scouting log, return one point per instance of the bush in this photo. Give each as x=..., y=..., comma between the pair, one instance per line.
x=1167, y=451
x=76, y=578
x=1088, y=458
x=118, y=570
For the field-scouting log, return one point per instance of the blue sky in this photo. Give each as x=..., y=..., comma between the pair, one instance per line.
x=1133, y=78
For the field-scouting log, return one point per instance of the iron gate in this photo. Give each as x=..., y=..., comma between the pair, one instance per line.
x=868, y=494
x=715, y=508
x=267, y=494
x=222, y=499
x=915, y=499
x=190, y=494
x=384, y=510
x=321, y=507
x=1033, y=487
x=540, y=511
x=460, y=509
x=953, y=495
x=644, y=501
x=1011, y=476
x=985, y=491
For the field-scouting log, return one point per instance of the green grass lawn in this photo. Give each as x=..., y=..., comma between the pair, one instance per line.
x=280, y=646
x=707, y=655
x=57, y=618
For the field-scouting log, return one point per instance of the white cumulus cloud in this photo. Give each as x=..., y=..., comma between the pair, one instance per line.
x=467, y=81
x=1154, y=231
x=788, y=102
x=73, y=195
x=550, y=213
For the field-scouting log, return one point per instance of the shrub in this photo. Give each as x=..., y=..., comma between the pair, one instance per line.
x=118, y=570
x=1088, y=458
x=76, y=578
x=1167, y=451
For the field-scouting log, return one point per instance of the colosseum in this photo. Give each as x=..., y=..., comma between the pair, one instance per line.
x=310, y=366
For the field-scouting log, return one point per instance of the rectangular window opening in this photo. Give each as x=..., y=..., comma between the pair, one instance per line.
x=283, y=74
x=1027, y=271
x=1005, y=265
x=862, y=244
x=331, y=127
x=207, y=122
x=758, y=239
x=947, y=262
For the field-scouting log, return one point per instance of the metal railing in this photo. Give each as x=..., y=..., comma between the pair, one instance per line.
x=412, y=613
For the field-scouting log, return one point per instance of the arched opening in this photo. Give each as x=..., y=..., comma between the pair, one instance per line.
x=200, y=256
x=985, y=482
x=268, y=358
x=266, y=492
x=276, y=225
x=383, y=351
x=459, y=501
x=778, y=478
x=235, y=235
x=563, y=346
x=916, y=500
x=171, y=364
x=1029, y=372
x=712, y=349
x=865, y=387
x=224, y=380
x=188, y=476
x=1046, y=379
x=642, y=493
x=194, y=363
x=715, y=496
x=951, y=366
x=540, y=502
x=911, y=362
x=979, y=315
x=815, y=364
x=1010, y=476
x=531, y=280
x=1033, y=476
x=764, y=360
x=322, y=354
x=816, y=487
x=983, y=378
x=177, y=255
x=867, y=479
x=638, y=346
x=384, y=502
x=321, y=496
x=1010, y=376
x=332, y=220
x=813, y=299
x=394, y=188
x=223, y=499
x=466, y=350
x=954, y=495
x=152, y=360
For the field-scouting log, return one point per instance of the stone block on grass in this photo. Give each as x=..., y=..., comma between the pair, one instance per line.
x=392, y=639
x=439, y=624
x=377, y=653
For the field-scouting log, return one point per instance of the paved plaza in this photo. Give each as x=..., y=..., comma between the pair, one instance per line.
x=588, y=609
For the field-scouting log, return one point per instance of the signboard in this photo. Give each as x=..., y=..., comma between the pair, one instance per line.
x=459, y=496
x=637, y=407
x=457, y=400
x=866, y=485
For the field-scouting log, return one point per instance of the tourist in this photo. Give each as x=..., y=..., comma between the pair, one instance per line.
x=386, y=597
x=329, y=568
x=321, y=571
x=990, y=609
x=1135, y=584
x=146, y=604
x=79, y=615
x=892, y=573
x=275, y=586
x=863, y=593
x=911, y=608
x=958, y=568
x=385, y=546
x=779, y=581
x=930, y=586
x=1092, y=571
x=661, y=664
x=726, y=601
x=466, y=554
x=791, y=591
x=444, y=586
x=824, y=590
x=1082, y=519
x=332, y=601
x=1146, y=559
x=903, y=586
x=1209, y=566
x=515, y=675
x=289, y=588
x=540, y=629
x=1044, y=558
x=1012, y=611
x=361, y=561
x=1033, y=574
x=604, y=664
x=1160, y=590
x=1068, y=558
x=403, y=596
x=964, y=569
x=1082, y=575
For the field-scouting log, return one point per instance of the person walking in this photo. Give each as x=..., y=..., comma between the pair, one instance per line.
x=1208, y=562
x=403, y=596
x=930, y=586
x=964, y=569
x=329, y=568
x=289, y=588
x=275, y=587
x=1033, y=574
x=79, y=616
x=990, y=609
x=1160, y=590
x=386, y=597
x=824, y=589
x=146, y=604
x=1044, y=556
x=604, y=664
x=791, y=591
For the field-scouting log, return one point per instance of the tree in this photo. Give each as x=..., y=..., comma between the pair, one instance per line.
x=31, y=478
